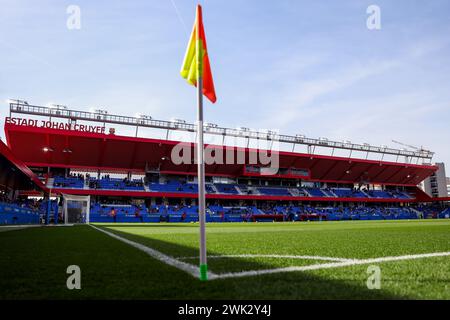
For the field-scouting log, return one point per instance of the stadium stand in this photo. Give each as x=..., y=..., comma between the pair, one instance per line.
x=314, y=192
x=445, y=214
x=274, y=191
x=73, y=182
x=219, y=213
x=349, y=193
x=226, y=188
x=379, y=194
x=136, y=181
x=173, y=186
x=180, y=186
x=107, y=183
x=18, y=214
x=401, y=195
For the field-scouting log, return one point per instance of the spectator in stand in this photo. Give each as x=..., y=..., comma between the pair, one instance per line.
x=137, y=214
x=113, y=214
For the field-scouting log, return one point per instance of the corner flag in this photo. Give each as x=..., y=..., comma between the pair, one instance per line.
x=196, y=61
x=197, y=71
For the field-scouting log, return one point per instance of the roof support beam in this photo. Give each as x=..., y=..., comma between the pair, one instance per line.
x=367, y=169
x=133, y=154
x=349, y=169
x=329, y=170
x=101, y=155
x=393, y=175
x=379, y=173
x=22, y=107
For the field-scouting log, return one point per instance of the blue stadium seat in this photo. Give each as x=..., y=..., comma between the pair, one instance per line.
x=68, y=182
x=315, y=192
x=118, y=184
x=274, y=191
x=226, y=188
x=348, y=193
x=379, y=194
x=174, y=186
x=11, y=214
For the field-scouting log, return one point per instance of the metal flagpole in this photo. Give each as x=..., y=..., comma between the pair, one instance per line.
x=201, y=182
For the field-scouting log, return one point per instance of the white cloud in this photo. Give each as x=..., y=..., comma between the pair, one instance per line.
x=294, y=103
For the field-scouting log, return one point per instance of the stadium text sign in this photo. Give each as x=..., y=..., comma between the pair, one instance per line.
x=54, y=125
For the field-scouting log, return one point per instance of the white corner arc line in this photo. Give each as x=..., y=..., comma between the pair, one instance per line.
x=277, y=256
x=331, y=265
x=186, y=267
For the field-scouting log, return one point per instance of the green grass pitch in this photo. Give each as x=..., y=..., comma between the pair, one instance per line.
x=33, y=261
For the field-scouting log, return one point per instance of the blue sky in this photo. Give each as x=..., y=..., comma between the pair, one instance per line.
x=309, y=67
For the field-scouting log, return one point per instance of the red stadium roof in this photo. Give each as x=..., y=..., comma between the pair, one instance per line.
x=74, y=149
x=18, y=175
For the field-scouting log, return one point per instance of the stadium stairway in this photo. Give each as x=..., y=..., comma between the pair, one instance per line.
x=306, y=192
x=332, y=193
x=367, y=195
x=235, y=187
x=213, y=187
x=445, y=214
x=254, y=190
x=349, y=193
x=417, y=212
x=315, y=192
x=329, y=193
x=403, y=195
x=241, y=190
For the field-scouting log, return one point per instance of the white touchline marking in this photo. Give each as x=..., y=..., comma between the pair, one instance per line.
x=186, y=267
x=331, y=265
x=279, y=256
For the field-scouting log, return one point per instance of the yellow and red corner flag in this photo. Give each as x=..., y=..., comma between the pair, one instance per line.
x=196, y=62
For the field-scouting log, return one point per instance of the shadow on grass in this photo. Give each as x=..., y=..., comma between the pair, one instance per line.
x=287, y=285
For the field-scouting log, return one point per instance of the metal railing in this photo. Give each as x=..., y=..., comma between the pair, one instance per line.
x=22, y=107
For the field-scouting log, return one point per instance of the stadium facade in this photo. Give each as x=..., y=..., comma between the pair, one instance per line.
x=54, y=152
x=436, y=184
